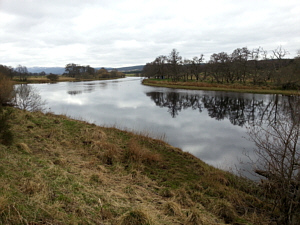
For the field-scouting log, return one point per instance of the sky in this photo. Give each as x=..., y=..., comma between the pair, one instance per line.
x=118, y=33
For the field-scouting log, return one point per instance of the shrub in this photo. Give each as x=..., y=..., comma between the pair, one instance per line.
x=6, y=89
x=6, y=136
x=28, y=98
x=52, y=77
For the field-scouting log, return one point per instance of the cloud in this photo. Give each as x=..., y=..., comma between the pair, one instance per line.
x=131, y=32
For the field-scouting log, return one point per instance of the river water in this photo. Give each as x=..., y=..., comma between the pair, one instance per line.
x=210, y=125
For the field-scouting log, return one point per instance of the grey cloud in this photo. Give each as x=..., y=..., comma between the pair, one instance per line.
x=132, y=32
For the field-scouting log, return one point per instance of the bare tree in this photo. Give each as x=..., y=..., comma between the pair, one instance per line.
x=298, y=54
x=196, y=67
x=22, y=72
x=175, y=61
x=279, y=52
x=160, y=66
x=28, y=98
x=279, y=163
x=240, y=57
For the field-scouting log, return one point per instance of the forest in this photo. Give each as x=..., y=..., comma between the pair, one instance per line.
x=255, y=67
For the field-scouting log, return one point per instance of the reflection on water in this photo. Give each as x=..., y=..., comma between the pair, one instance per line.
x=210, y=125
x=74, y=92
x=239, y=111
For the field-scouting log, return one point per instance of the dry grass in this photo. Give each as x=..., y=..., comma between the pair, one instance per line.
x=63, y=171
x=136, y=154
x=195, y=217
x=44, y=79
x=135, y=217
x=172, y=208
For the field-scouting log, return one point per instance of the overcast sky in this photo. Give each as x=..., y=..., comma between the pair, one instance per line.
x=116, y=33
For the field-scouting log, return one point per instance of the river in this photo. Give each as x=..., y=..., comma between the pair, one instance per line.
x=211, y=125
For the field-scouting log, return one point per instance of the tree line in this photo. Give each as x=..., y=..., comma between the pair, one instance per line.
x=256, y=66
x=71, y=70
x=88, y=72
x=22, y=73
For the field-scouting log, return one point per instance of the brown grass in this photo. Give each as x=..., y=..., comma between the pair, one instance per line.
x=44, y=79
x=135, y=217
x=172, y=208
x=194, y=217
x=138, y=155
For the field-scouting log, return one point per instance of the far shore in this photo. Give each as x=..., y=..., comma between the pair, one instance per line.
x=219, y=87
x=44, y=79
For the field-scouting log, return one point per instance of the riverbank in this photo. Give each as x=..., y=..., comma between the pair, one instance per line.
x=63, y=171
x=218, y=87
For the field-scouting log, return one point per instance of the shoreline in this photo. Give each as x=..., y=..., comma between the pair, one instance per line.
x=44, y=80
x=216, y=87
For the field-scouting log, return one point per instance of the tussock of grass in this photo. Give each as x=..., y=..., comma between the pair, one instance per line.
x=195, y=217
x=138, y=155
x=24, y=147
x=135, y=217
x=62, y=171
x=172, y=208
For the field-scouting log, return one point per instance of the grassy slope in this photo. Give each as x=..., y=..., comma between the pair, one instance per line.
x=63, y=171
x=219, y=87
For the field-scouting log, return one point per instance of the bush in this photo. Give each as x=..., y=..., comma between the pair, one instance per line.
x=6, y=89
x=28, y=98
x=52, y=77
x=6, y=136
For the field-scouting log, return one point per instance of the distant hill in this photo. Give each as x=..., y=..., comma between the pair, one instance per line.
x=131, y=68
x=55, y=70
x=61, y=70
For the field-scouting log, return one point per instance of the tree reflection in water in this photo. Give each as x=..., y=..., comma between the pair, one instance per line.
x=239, y=110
